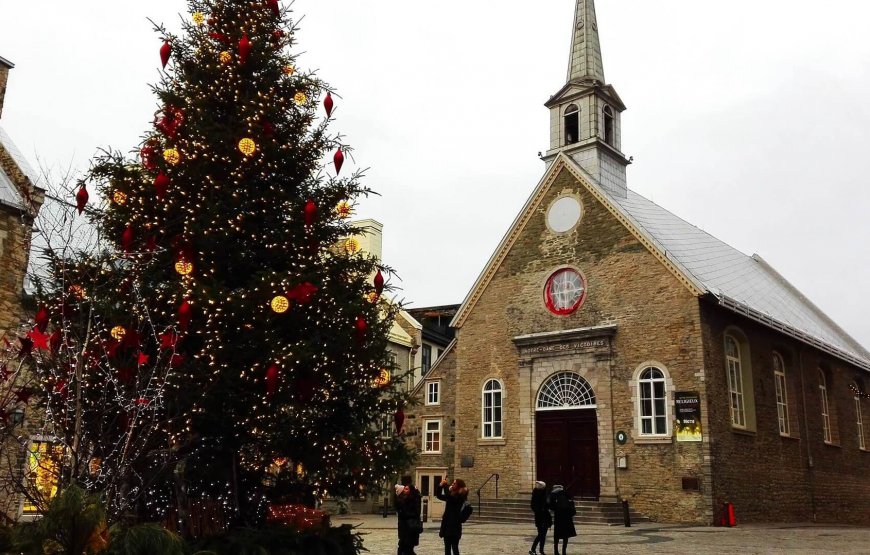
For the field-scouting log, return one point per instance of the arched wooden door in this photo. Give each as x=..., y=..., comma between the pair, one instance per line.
x=566, y=432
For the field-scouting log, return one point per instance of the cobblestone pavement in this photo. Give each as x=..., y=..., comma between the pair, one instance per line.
x=484, y=539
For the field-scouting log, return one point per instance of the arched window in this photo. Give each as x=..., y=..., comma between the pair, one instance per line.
x=572, y=124
x=826, y=410
x=608, y=126
x=492, y=405
x=781, y=393
x=735, y=382
x=652, y=398
x=859, y=417
x=566, y=390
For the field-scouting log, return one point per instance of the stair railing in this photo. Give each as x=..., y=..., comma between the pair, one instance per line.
x=491, y=476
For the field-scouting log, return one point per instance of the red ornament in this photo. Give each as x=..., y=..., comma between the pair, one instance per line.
x=169, y=122
x=23, y=395
x=327, y=104
x=161, y=184
x=185, y=313
x=399, y=420
x=147, y=153
x=39, y=339
x=41, y=319
x=310, y=212
x=127, y=238
x=268, y=129
x=379, y=283
x=273, y=4
x=54, y=341
x=302, y=293
x=142, y=358
x=277, y=35
x=219, y=37
x=176, y=360
x=168, y=340
x=244, y=48
x=360, y=328
x=82, y=198
x=165, y=51
x=339, y=160
x=272, y=380
x=143, y=402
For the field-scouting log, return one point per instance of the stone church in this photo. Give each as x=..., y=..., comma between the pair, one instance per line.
x=616, y=349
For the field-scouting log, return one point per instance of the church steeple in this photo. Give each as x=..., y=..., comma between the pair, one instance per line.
x=586, y=113
x=585, y=61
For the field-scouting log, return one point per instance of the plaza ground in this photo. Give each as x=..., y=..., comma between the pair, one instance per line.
x=483, y=539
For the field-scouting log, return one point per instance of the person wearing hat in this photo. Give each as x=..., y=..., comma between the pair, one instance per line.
x=563, y=518
x=408, y=508
x=543, y=520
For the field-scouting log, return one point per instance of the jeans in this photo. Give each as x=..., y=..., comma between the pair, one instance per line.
x=541, y=539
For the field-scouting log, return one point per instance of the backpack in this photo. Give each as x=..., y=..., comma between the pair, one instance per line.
x=465, y=512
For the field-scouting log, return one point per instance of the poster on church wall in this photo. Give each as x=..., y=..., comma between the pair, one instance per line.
x=687, y=416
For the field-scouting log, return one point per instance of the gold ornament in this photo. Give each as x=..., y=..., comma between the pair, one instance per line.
x=289, y=69
x=383, y=378
x=172, y=156
x=300, y=98
x=198, y=18
x=352, y=246
x=225, y=57
x=183, y=267
x=118, y=332
x=77, y=291
x=247, y=146
x=119, y=197
x=280, y=304
x=372, y=297
x=343, y=209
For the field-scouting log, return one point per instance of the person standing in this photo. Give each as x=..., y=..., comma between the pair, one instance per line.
x=543, y=520
x=454, y=498
x=408, y=509
x=563, y=518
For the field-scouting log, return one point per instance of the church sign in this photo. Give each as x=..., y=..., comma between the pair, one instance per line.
x=558, y=347
x=687, y=415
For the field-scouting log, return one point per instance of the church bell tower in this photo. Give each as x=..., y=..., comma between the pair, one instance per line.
x=586, y=113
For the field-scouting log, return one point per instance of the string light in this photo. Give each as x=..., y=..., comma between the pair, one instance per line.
x=172, y=156
x=300, y=98
x=247, y=146
x=118, y=332
x=280, y=304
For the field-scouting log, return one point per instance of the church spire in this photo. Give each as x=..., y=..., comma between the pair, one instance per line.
x=585, y=62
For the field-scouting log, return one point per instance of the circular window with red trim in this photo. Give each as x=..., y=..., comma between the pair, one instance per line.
x=565, y=291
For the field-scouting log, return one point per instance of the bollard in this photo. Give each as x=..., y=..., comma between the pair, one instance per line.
x=625, y=515
x=425, y=512
x=386, y=502
x=728, y=517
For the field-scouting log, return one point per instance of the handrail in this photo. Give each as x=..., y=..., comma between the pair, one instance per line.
x=491, y=476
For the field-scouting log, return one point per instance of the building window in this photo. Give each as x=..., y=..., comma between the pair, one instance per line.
x=565, y=291
x=433, y=396
x=572, y=124
x=859, y=418
x=826, y=411
x=608, y=126
x=386, y=427
x=565, y=390
x=41, y=473
x=432, y=437
x=652, y=395
x=781, y=393
x=492, y=403
x=735, y=382
x=427, y=358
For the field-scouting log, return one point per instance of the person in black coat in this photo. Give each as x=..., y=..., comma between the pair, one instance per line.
x=563, y=518
x=454, y=497
x=543, y=520
x=408, y=510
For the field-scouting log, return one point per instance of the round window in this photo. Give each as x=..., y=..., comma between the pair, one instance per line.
x=564, y=214
x=565, y=291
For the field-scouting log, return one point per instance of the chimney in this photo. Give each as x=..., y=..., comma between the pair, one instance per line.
x=5, y=66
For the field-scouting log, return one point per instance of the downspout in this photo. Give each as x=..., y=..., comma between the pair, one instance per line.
x=807, y=434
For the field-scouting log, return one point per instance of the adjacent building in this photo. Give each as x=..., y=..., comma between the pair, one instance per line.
x=612, y=347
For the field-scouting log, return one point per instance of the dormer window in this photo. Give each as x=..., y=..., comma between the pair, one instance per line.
x=572, y=124
x=608, y=126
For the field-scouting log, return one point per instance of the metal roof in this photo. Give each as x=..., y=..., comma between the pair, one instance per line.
x=19, y=158
x=9, y=193
x=746, y=284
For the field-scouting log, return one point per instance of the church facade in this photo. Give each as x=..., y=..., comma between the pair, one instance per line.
x=612, y=347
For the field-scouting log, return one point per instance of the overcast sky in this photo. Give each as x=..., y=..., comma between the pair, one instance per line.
x=749, y=118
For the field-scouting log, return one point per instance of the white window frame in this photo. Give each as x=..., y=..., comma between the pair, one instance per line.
x=825, y=408
x=488, y=425
x=781, y=392
x=641, y=400
x=859, y=421
x=432, y=437
x=433, y=387
x=736, y=393
x=386, y=427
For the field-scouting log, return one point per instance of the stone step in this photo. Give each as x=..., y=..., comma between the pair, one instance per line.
x=518, y=511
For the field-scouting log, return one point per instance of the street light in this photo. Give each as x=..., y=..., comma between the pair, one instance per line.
x=17, y=417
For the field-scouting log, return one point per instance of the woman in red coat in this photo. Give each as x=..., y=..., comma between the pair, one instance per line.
x=451, y=523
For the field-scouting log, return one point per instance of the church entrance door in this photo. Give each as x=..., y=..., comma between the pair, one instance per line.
x=566, y=432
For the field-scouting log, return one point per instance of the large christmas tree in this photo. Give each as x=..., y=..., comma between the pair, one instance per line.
x=228, y=273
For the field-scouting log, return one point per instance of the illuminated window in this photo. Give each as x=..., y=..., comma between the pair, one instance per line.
x=41, y=474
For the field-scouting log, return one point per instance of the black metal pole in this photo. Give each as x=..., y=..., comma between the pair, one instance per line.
x=626, y=517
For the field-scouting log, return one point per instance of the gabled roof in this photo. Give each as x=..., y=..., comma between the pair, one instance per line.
x=434, y=368
x=19, y=158
x=702, y=263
